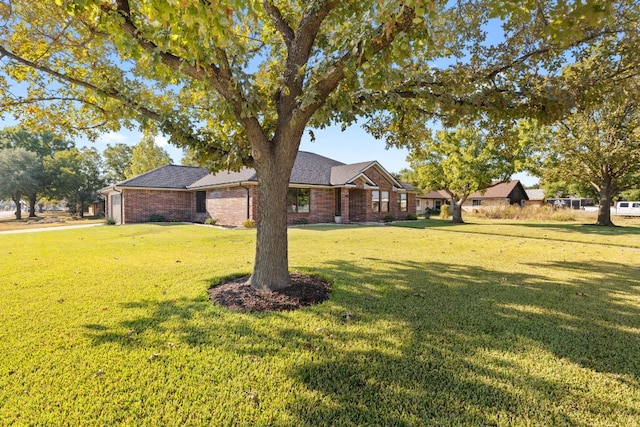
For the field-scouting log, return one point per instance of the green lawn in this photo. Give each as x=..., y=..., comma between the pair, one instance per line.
x=476, y=324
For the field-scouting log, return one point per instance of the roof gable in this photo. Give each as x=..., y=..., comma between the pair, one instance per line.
x=502, y=190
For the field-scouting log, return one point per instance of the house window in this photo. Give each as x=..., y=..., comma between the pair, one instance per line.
x=384, y=205
x=418, y=204
x=476, y=202
x=380, y=201
x=298, y=200
x=437, y=205
x=402, y=202
x=375, y=201
x=201, y=201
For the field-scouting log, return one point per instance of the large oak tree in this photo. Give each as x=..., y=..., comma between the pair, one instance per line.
x=599, y=146
x=239, y=81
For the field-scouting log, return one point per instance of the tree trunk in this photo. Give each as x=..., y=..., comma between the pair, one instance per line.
x=604, y=208
x=456, y=213
x=33, y=198
x=271, y=269
x=16, y=200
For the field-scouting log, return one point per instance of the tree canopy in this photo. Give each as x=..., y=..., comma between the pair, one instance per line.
x=117, y=159
x=44, y=145
x=20, y=172
x=76, y=176
x=146, y=156
x=598, y=146
x=465, y=160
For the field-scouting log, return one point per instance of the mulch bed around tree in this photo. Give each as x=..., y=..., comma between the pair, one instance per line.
x=237, y=295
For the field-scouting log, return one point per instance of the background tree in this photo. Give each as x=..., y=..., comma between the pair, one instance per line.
x=43, y=144
x=463, y=161
x=240, y=81
x=20, y=175
x=76, y=176
x=117, y=159
x=146, y=156
x=632, y=194
x=559, y=188
x=599, y=146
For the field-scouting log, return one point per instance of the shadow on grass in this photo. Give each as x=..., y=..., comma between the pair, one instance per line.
x=464, y=345
x=564, y=228
x=433, y=344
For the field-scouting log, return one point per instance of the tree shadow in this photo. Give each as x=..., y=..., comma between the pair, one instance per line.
x=427, y=343
x=452, y=318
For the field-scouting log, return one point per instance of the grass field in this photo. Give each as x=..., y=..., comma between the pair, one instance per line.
x=476, y=324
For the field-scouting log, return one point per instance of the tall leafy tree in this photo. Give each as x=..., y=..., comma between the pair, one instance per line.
x=44, y=145
x=598, y=147
x=20, y=175
x=463, y=161
x=146, y=156
x=239, y=81
x=117, y=159
x=76, y=175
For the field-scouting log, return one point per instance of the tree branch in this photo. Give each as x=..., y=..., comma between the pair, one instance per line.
x=385, y=35
x=281, y=25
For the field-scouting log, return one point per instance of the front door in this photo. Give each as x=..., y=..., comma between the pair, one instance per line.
x=115, y=211
x=357, y=205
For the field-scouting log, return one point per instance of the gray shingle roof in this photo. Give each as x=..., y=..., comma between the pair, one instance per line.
x=344, y=174
x=222, y=178
x=168, y=176
x=309, y=169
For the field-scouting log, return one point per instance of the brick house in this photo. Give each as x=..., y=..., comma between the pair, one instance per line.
x=321, y=190
x=433, y=200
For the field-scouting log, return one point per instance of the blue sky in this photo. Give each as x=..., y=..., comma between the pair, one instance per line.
x=354, y=145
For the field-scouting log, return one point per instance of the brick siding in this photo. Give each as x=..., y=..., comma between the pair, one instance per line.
x=229, y=205
x=139, y=205
x=322, y=208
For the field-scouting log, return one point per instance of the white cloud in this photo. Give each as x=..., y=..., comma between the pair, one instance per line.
x=113, y=138
x=161, y=141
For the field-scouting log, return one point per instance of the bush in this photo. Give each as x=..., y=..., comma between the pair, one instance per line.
x=157, y=218
x=537, y=213
x=109, y=221
x=389, y=218
x=302, y=221
x=412, y=217
x=445, y=211
x=211, y=221
x=249, y=223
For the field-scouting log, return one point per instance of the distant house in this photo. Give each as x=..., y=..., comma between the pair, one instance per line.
x=321, y=190
x=536, y=197
x=433, y=200
x=499, y=194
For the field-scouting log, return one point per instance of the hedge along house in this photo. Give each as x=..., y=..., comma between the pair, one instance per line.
x=321, y=190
